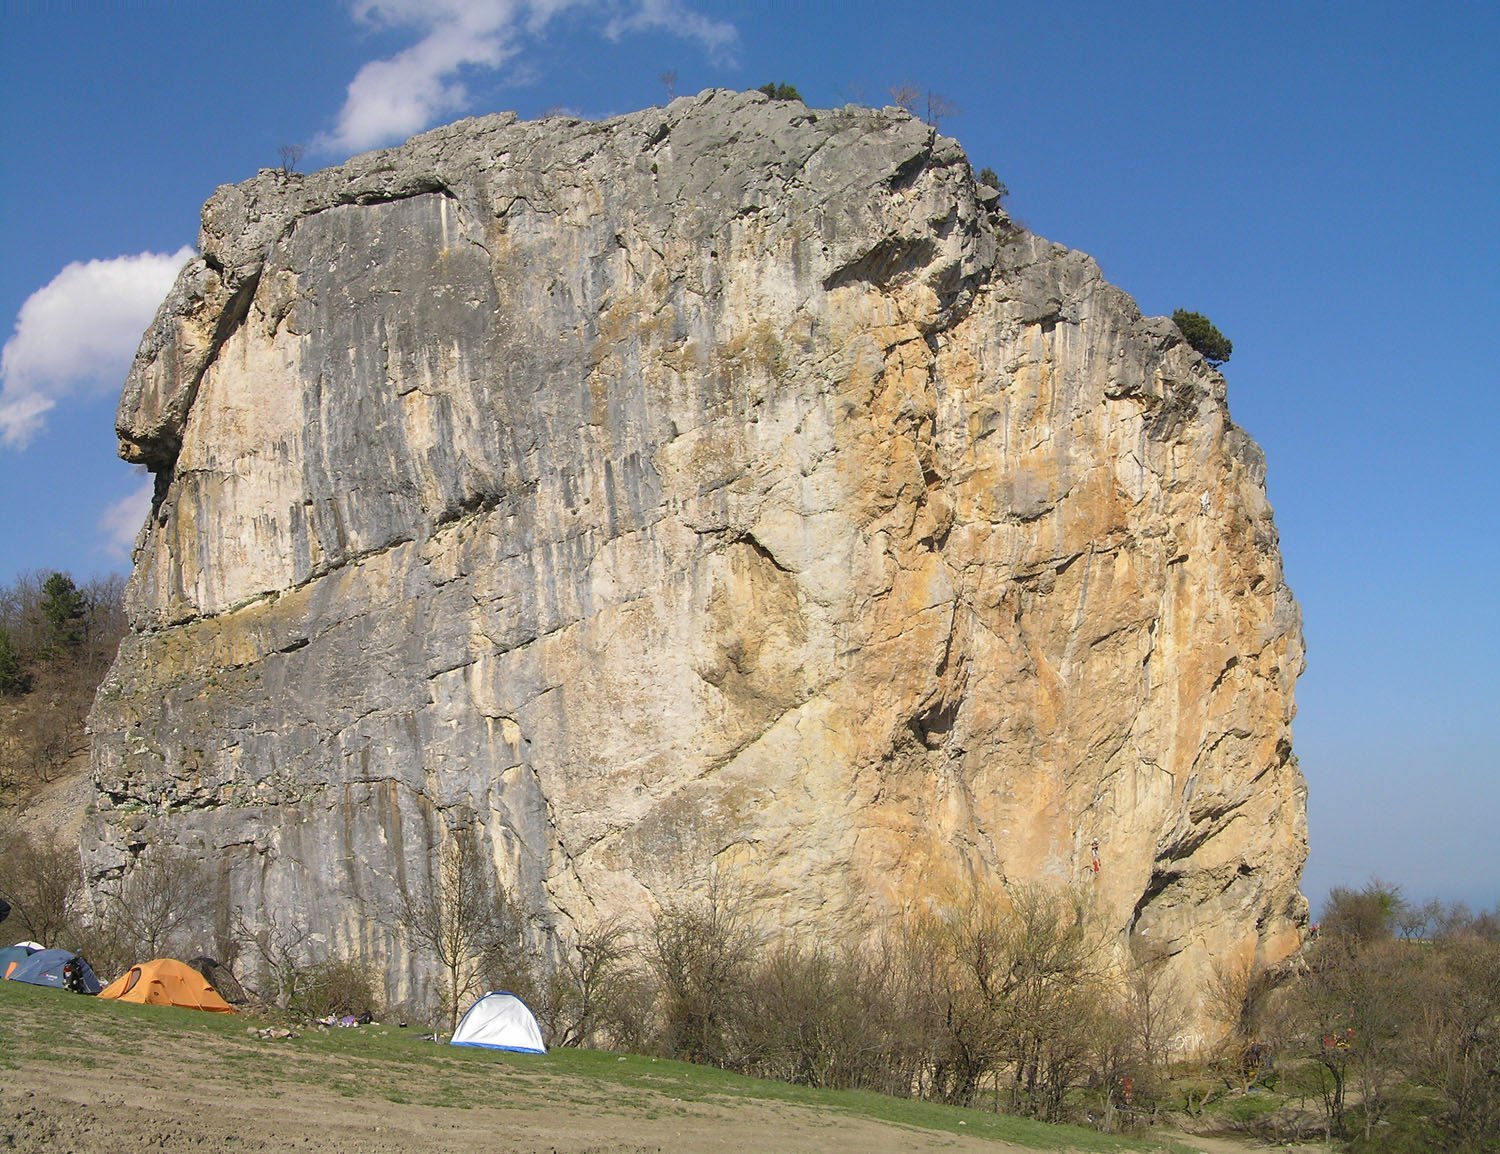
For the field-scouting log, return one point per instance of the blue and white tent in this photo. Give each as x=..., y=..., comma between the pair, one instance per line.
x=500, y=1021
x=45, y=968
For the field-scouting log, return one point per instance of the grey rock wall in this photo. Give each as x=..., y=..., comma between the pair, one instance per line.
x=725, y=489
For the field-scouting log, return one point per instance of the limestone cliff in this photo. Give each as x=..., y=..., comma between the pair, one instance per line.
x=724, y=487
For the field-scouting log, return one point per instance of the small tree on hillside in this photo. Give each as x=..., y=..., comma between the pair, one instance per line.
x=43, y=881
x=65, y=612
x=939, y=106
x=933, y=106
x=1203, y=335
x=1365, y=915
x=906, y=95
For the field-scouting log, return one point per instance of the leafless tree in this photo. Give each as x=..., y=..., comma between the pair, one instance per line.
x=1355, y=1009
x=669, y=82
x=932, y=106
x=279, y=944
x=1138, y=1028
x=1454, y=1038
x=826, y=1014
x=164, y=901
x=1058, y=952
x=939, y=106
x=700, y=954
x=1226, y=997
x=906, y=95
x=577, y=996
x=970, y=961
x=43, y=881
x=1020, y=983
x=1157, y=1008
x=463, y=918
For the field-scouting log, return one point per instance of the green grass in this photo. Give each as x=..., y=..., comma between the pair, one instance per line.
x=1246, y=1109
x=1407, y=1127
x=386, y=1063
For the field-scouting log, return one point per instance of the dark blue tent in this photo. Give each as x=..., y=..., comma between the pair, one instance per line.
x=45, y=968
x=16, y=953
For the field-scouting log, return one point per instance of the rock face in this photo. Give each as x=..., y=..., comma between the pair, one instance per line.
x=726, y=489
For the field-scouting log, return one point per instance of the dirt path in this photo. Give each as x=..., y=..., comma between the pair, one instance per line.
x=1215, y=1145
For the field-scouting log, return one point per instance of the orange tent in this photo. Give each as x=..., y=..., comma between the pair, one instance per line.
x=165, y=982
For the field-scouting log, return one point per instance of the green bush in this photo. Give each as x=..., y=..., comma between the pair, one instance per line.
x=337, y=987
x=989, y=178
x=1203, y=335
x=779, y=91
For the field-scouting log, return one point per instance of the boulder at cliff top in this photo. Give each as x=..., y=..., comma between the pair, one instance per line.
x=726, y=488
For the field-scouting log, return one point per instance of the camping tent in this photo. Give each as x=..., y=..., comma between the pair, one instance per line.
x=16, y=953
x=45, y=968
x=500, y=1021
x=222, y=979
x=166, y=982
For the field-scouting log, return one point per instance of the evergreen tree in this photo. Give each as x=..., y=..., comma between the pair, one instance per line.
x=1201, y=333
x=989, y=178
x=778, y=91
x=65, y=613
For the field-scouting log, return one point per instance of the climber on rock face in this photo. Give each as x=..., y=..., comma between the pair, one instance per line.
x=1094, y=856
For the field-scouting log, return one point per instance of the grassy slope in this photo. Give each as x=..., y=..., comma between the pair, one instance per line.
x=40, y=1024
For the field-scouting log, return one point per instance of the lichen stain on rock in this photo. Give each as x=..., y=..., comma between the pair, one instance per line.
x=718, y=490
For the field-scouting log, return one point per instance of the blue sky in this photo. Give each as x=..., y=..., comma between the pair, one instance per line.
x=1319, y=179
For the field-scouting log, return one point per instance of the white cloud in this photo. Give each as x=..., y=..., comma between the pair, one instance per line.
x=77, y=333
x=122, y=521
x=389, y=100
x=717, y=36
